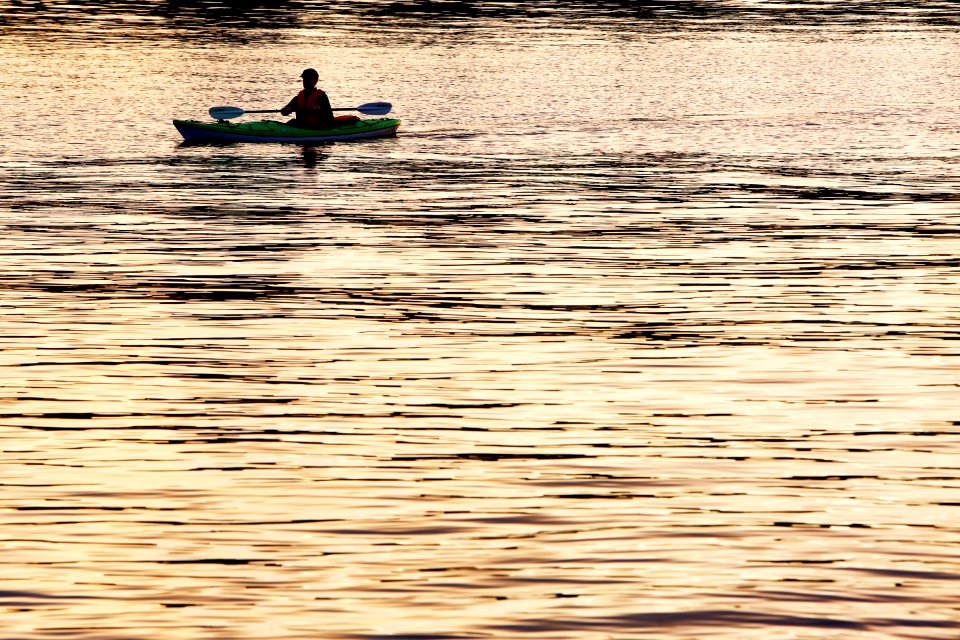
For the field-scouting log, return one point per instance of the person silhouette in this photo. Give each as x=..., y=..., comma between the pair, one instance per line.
x=311, y=105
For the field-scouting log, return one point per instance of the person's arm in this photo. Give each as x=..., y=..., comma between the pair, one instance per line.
x=290, y=108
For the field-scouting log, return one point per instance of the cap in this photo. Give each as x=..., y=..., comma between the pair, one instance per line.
x=309, y=73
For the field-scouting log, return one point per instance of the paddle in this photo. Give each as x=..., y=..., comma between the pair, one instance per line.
x=370, y=108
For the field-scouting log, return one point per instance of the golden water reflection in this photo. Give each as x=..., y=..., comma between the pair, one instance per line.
x=679, y=362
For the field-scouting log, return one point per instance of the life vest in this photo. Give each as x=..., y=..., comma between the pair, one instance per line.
x=306, y=108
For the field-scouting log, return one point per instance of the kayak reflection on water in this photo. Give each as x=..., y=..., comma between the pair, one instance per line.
x=312, y=156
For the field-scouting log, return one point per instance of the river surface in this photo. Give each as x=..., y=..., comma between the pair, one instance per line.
x=646, y=325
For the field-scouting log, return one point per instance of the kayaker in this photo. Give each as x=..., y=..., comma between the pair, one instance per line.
x=311, y=105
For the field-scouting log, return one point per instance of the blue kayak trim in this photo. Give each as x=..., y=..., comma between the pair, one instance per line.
x=271, y=131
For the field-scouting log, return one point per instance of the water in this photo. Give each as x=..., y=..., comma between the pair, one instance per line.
x=645, y=326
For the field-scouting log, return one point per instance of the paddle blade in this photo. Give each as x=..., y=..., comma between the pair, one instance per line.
x=375, y=108
x=225, y=113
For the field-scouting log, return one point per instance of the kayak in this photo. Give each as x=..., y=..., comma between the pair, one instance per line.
x=272, y=131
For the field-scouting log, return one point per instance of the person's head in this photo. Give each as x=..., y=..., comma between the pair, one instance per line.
x=310, y=78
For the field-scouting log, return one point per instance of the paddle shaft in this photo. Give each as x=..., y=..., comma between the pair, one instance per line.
x=278, y=110
x=370, y=108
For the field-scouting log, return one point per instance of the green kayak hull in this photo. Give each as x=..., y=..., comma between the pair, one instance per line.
x=271, y=131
